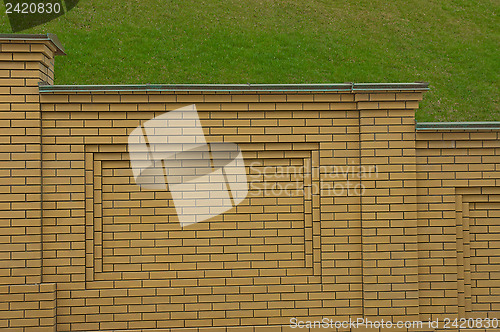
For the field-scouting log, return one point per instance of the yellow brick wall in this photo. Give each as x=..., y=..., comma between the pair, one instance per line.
x=419, y=242
x=458, y=185
x=23, y=65
x=28, y=307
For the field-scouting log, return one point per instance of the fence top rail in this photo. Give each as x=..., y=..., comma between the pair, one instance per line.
x=342, y=87
x=428, y=126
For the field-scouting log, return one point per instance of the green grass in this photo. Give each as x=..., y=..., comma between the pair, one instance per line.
x=453, y=45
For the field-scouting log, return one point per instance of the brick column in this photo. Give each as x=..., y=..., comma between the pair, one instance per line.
x=25, y=61
x=389, y=206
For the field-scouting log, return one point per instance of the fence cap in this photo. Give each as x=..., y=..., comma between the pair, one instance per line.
x=341, y=87
x=492, y=125
x=49, y=37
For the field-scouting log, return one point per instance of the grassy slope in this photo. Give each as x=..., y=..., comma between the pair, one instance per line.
x=451, y=44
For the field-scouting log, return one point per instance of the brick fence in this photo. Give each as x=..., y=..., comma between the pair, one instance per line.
x=381, y=218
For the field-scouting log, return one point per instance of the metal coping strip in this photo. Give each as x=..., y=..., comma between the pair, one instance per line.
x=36, y=37
x=238, y=87
x=493, y=125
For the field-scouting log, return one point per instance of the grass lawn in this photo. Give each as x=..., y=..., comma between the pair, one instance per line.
x=453, y=45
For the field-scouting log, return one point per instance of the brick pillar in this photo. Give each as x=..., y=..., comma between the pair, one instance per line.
x=25, y=61
x=389, y=205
